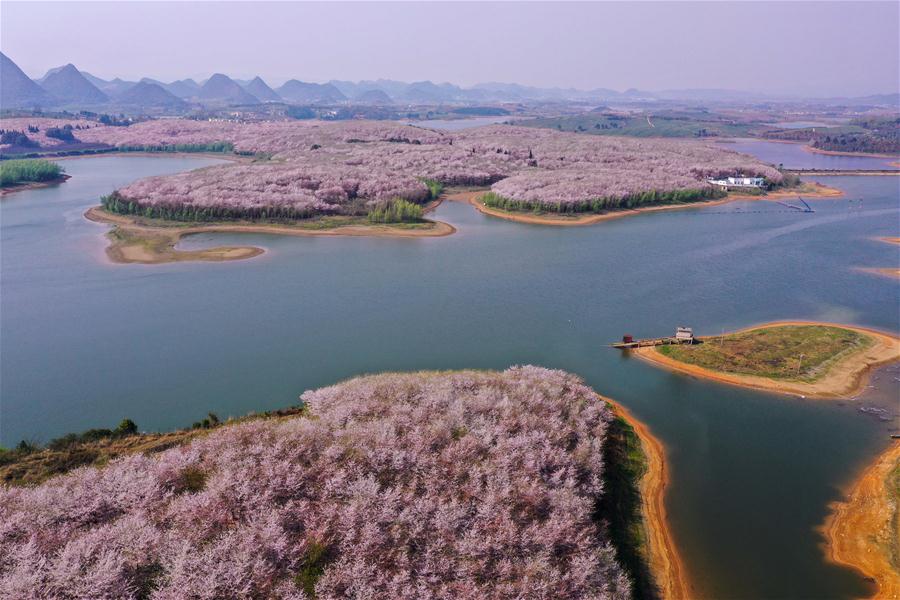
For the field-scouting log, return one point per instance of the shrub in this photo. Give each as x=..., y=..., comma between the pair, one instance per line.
x=63, y=133
x=17, y=138
x=13, y=172
x=396, y=211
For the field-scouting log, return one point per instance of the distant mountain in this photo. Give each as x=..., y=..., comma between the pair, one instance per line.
x=111, y=88
x=183, y=88
x=351, y=89
x=221, y=88
x=16, y=89
x=889, y=100
x=373, y=97
x=68, y=86
x=516, y=92
x=426, y=91
x=150, y=95
x=261, y=90
x=301, y=92
x=707, y=95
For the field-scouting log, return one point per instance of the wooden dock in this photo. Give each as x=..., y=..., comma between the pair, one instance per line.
x=664, y=341
x=683, y=335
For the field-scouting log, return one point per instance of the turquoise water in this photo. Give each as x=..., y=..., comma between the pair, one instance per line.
x=85, y=343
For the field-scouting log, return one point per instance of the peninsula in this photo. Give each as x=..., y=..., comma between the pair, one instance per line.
x=809, y=359
x=383, y=463
x=863, y=531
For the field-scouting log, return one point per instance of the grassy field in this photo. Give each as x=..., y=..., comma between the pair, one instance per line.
x=790, y=352
x=665, y=125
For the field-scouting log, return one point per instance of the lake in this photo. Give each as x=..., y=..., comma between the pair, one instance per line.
x=86, y=343
x=794, y=156
x=459, y=124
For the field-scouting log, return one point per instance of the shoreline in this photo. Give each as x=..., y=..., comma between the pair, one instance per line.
x=848, y=377
x=134, y=242
x=817, y=191
x=666, y=564
x=33, y=185
x=842, y=153
x=889, y=272
x=861, y=529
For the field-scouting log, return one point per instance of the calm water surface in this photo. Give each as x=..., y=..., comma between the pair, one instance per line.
x=86, y=343
x=458, y=124
x=794, y=156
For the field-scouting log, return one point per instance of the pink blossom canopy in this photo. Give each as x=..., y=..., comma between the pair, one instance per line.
x=440, y=485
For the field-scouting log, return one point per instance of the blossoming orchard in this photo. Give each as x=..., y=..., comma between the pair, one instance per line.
x=307, y=168
x=427, y=485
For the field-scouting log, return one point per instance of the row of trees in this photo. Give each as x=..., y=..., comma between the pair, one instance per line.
x=597, y=205
x=210, y=147
x=13, y=172
x=16, y=138
x=116, y=203
x=397, y=210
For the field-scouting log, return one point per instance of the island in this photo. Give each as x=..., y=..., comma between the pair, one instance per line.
x=809, y=359
x=21, y=174
x=147, y=240
x=529, y=477
x=383, y=173
x=863, y=531
x=490, y=204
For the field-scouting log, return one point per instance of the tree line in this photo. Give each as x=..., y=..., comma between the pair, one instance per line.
x=397, y=210
x=13, y=172
x=116, y=203
x=597, y=205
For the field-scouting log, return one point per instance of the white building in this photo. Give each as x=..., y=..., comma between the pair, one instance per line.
x=684, y=334
x=739, y=182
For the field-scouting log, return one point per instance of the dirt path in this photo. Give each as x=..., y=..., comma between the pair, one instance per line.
x=863, y=531
x=845, y=378
x=665, y=562
x=812, y=190
x=133, y=242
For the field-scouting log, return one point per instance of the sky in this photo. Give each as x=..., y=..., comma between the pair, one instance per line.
x=792, y=48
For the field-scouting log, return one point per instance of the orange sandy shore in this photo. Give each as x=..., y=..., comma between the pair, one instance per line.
x=472, y=197
x=892, y=272
x=863, y=531
x=665, y=561
x=845, y=378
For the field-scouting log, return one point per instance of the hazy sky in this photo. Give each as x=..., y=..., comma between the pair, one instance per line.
x=811, y=48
